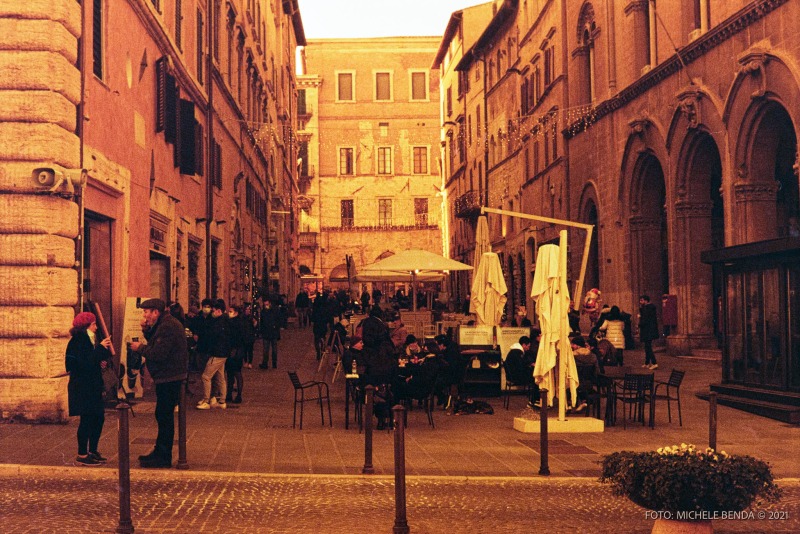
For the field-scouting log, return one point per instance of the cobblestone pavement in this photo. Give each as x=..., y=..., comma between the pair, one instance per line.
x=46, y=500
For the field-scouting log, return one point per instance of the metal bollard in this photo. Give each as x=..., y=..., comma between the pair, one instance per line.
x=366, y=417
x=400, y=522
x=544, y=468
x=712, y=420
x=182, y=463
x=125, y=525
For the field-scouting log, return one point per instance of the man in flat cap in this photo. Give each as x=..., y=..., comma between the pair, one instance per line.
x=166, y=356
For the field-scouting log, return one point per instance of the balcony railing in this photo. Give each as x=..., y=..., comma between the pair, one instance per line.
x=307, y=240
x=468, y=205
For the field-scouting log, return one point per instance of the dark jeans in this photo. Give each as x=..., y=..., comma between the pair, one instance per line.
x=270, y=346
x=89, y=430
x=168, y=395
x=248, y=353
x=649, y=356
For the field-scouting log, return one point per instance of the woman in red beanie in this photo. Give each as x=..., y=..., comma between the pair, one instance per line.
x=84, y=361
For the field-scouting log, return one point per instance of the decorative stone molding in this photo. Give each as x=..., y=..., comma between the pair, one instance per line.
x=753, y=64
x=639, y=223
x=635, y=5
x=689, y=105
x=718, y=35
x=687, y=210
x=755, y=191
x=639, y=126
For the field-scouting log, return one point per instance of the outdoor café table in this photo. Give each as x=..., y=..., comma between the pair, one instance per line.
x=610, y=378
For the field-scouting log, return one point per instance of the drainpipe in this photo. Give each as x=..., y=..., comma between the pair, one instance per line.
x=209, y=142
x=80, y=126
x=485, y=133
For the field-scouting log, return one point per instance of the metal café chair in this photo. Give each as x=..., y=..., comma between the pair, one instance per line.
x=672, y=391
x=300, y=396
x=636, y=390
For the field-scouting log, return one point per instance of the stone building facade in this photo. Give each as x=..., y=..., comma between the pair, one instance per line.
x=373, y=182
x=145, y=147
x=594, y=117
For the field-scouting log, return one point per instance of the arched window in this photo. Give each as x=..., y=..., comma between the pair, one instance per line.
x=585, y=54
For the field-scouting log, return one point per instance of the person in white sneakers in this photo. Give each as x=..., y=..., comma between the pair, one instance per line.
x=219, y=348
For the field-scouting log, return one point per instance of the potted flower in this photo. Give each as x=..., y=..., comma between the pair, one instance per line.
x=687, y=488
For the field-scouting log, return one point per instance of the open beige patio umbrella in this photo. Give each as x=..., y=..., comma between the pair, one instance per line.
x=488, y=290
x=415, y=262
x=555, y=363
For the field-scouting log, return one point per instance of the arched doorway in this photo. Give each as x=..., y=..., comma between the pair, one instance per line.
x=592, y=276
x=699, y=226
x=766, y=195
x=648, y=222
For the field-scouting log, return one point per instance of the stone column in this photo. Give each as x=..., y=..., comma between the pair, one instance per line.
x=692, y=278
x=39, y=218
x=755, y=211
x=645, y=257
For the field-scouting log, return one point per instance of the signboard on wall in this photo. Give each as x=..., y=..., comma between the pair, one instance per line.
x=481, y=336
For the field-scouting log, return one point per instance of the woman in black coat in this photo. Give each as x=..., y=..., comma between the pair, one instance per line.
x=84, y=361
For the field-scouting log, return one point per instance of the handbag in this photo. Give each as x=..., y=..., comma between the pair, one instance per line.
x=110, y=382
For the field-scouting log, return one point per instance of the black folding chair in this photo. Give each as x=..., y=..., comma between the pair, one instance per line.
x=300, y=396
x=636, y=390
x=673, y=385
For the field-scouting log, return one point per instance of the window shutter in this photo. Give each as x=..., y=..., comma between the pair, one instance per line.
x=170, y=108
x=218, y=165
x=186, y=142
x=161, y=89
x=199, y=154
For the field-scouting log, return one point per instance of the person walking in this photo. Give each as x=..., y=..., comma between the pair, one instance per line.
x=249, y=334
x=270, y=333
x=167, y=359
x=301, y=308
x=235, y=362
x=219, y=348
x=648, y=330
x=85, y=359
x=319, y=318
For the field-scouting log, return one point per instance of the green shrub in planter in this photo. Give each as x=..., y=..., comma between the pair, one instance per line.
x=682, y=478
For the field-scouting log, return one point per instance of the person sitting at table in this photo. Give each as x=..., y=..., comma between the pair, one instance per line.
x=354, y=346
x=583, y=356
x=606, y=353
x=399, y=333
x=411, y=348
x=374, y=331
x=519, y=367
x=613, y=329
x=379, y=370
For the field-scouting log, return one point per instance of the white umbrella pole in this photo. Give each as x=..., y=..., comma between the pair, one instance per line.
x=563, y=334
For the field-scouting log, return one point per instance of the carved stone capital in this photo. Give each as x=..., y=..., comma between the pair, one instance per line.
x=689, y=105
x=686, y=209
x=753, y=64
x=635, y=5
x=638, y=126
x=644, y=224
x=755, y=191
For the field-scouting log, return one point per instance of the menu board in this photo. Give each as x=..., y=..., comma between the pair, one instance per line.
x=507, y=336
x=481, y=336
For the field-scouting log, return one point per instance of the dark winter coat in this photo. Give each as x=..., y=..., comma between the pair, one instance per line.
x=166, y=354
x=218, y=333
x=271, y=323
x=648, y=322
x=85, y=388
